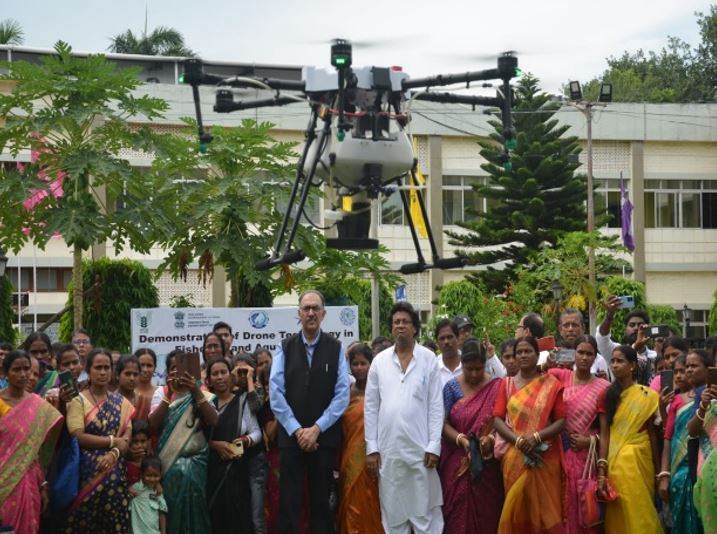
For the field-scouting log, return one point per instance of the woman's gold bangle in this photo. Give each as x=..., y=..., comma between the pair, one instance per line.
x=536, y=435
x=166, y=401
x=458, y=439
x=700, y=417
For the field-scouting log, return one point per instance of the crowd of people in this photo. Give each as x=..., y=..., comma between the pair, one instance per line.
x=576, y=435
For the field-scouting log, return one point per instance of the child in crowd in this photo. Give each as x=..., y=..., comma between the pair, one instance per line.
x=148, y=507
x=138, y=450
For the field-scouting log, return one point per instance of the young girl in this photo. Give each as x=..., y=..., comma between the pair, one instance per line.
x=148, y=507
x=138, y=450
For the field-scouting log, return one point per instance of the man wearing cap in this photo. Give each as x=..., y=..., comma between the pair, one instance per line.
x=465, y=328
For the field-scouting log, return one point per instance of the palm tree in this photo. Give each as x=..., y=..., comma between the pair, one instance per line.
x=161, y=42
x=11, y=32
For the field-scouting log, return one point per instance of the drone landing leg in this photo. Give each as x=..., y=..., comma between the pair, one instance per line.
x=422, y=205
x=420, y=266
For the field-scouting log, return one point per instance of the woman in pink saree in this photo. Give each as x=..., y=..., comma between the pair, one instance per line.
x=29, y=428
x=470, y=505
x=583, y=396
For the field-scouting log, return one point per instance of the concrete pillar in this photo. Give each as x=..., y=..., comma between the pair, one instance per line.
x=219, y=287
x=637, y=194
x=434, y=200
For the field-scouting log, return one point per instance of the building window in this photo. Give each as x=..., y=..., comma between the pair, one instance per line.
x=607, y=199
x=49, y=279
x=680, y=204
x=460, y=201
x=392, y=209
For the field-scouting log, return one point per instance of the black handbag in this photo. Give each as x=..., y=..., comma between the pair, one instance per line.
x=476, y=458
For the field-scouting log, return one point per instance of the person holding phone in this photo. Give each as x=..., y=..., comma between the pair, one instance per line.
x=232, y=442
x=675, y=486
x=703, y=429
x=181, y=415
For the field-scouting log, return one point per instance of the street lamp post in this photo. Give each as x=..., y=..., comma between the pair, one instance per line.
x=586, y=108
x=557, y=290
x=686, y=317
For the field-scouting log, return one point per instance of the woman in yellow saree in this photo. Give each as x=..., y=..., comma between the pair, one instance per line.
x=359, y=508
x=632, y=451
x=529, y=415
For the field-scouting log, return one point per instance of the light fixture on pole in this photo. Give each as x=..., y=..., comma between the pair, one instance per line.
x=576, y=92
x=557, y=290
x=3, y=262
x=686, y=318
x=605, y=93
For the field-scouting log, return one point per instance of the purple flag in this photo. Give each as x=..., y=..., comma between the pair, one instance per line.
x=626, y=212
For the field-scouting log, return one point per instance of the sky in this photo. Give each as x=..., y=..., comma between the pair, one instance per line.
x=556, y=40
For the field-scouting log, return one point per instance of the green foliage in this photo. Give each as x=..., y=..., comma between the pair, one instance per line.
x=677, y=73
x=227, y=200
x=124, y=284
x=161, y=42
x=73, y=114
x=536, y=202
x=7, y=330
x=712, y=317
x=11, y=33
x=494, y=316
x=567, y=262
x=182, y=301
x=664, y=314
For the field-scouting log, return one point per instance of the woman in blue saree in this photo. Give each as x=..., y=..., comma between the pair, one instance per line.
x=101, y=422
x=675, y=485
x=181, y=417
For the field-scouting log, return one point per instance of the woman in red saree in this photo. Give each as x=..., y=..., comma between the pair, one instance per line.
x=359, y=508
x=469, y=399
x=529, y=415
x=29, y=428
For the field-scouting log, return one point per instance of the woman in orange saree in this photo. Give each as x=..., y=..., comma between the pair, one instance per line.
x=359, y=509
x=29, y=428
x=529, y=415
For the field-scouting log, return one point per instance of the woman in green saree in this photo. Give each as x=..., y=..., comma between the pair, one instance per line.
x=181, y=417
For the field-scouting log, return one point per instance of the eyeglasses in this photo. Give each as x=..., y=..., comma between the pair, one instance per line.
x=80, y=341
x=399, y=322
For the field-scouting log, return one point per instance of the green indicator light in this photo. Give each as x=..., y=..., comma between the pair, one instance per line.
x=511, y=144
x=203, y=147
x=508, y=166
x=181, y=78
x=340, y=60
x=340, y=135
x=518, y=72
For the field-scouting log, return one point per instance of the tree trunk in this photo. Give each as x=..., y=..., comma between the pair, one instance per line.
x=78, y=288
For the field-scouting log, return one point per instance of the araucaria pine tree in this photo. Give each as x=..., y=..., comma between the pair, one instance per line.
x=535, y=201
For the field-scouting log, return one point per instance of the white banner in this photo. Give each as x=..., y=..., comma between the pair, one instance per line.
x=166, y=329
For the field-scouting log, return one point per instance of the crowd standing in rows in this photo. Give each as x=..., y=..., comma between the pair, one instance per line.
x=387, y=437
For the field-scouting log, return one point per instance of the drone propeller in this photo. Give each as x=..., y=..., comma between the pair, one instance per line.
x=364, y=44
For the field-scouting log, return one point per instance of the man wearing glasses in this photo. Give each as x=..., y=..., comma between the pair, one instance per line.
x=309, y=391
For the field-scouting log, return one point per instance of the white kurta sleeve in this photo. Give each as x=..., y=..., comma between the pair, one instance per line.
x=372, y=403
x=435, y=412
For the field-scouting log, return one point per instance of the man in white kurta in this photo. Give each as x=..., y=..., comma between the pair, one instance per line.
x=403, y=417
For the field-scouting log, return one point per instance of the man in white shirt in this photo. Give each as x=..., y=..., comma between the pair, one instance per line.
x=636, y=323
x=403, y=418
x=449, y=364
